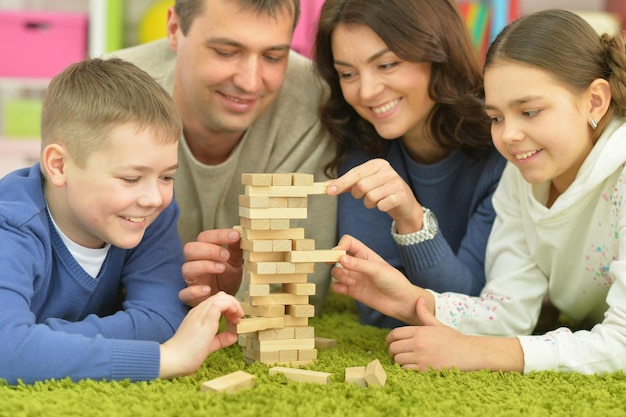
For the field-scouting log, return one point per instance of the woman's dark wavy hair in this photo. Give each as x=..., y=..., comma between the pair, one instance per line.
x=416, y=31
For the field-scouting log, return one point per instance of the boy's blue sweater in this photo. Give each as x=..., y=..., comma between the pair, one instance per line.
x=57, y=321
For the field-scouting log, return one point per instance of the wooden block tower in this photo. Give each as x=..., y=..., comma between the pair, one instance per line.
x=277, y=260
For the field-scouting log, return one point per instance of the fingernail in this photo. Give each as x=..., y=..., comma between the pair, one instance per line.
x=332, y=189
x=206, y=289
x=220, y=267
x=233, y=235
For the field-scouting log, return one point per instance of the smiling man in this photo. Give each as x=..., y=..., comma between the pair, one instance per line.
x=248, y=104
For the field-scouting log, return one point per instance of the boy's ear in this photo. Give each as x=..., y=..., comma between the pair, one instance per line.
x=599, y=99
x=53, y=160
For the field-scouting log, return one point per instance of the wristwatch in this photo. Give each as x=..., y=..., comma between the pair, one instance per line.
x=430, y=227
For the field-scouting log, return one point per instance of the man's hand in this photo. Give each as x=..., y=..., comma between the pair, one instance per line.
x=213, y=263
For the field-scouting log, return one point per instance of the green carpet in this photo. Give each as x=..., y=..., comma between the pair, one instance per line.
x=407, y=393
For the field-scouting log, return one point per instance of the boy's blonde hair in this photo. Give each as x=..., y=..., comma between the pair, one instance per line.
x=87, y=100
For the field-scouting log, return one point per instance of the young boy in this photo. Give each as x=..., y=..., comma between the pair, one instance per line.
x=90, y=258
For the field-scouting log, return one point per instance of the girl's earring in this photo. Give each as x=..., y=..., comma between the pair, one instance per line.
x=594, y=123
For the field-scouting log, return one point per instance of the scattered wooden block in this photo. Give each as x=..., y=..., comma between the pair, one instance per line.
x=301, y=375
x=375, y=374
x=230, y=383
x=356, y=375
x=325, y=343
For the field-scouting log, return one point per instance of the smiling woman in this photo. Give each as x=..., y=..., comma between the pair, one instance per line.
x=406, y=111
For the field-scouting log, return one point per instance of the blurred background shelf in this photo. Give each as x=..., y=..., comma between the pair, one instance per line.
x=114, y=24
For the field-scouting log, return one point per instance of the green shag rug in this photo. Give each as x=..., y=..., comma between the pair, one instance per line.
x=407, y=393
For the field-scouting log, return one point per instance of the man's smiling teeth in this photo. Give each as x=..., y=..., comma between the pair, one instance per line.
x=237, y=100
x=525, y=155
x=386, y=107
x=135, y=219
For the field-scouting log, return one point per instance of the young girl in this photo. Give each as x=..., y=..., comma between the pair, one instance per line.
x=406, y=110
x=555, y=91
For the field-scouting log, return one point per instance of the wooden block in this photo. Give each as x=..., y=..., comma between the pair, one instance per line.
x=242, y=339
x=287, y=355
x=273, y=213
x=282, y=344
x=282, y=245
x=301, y=375
x=299, y=288
x=277, y=334
x=279, y=298
x=300, y=310
x=278, y=202
x=253, y=324
x=260, y=179
x=255, y=224
x=263, y=357
x=356, y=375
x=285, y=268
x=303, y=332
x=300, y=202
x=282, y=179
x=291, y=234
x=303, y=244
x=303, y=179
x=260, y=267
x=305, y=267
x=307, y=354
x=274, y=278
x=264, y=256
x=328, y=255
x=287, y=190
x=375, y=374
x=275, y=310
x=280, y=224
x=295, y=321
x=325, y=343
x=255, y=290
x=293, y=363
x=230, y=383
x=257, y=245
x=256, y=202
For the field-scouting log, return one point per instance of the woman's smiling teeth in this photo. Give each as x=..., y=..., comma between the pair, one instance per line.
x=526, y=154
x=386, y=107
x=135, y=219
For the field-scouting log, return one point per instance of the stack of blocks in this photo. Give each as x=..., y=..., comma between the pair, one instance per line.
x=277, y=260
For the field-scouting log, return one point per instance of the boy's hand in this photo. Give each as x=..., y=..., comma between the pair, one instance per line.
x=198, y=336
x=213, y=260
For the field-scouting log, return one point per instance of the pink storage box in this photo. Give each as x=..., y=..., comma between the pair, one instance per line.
x=40, y=44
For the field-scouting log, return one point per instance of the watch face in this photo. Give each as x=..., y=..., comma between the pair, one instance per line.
x=433, y=225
